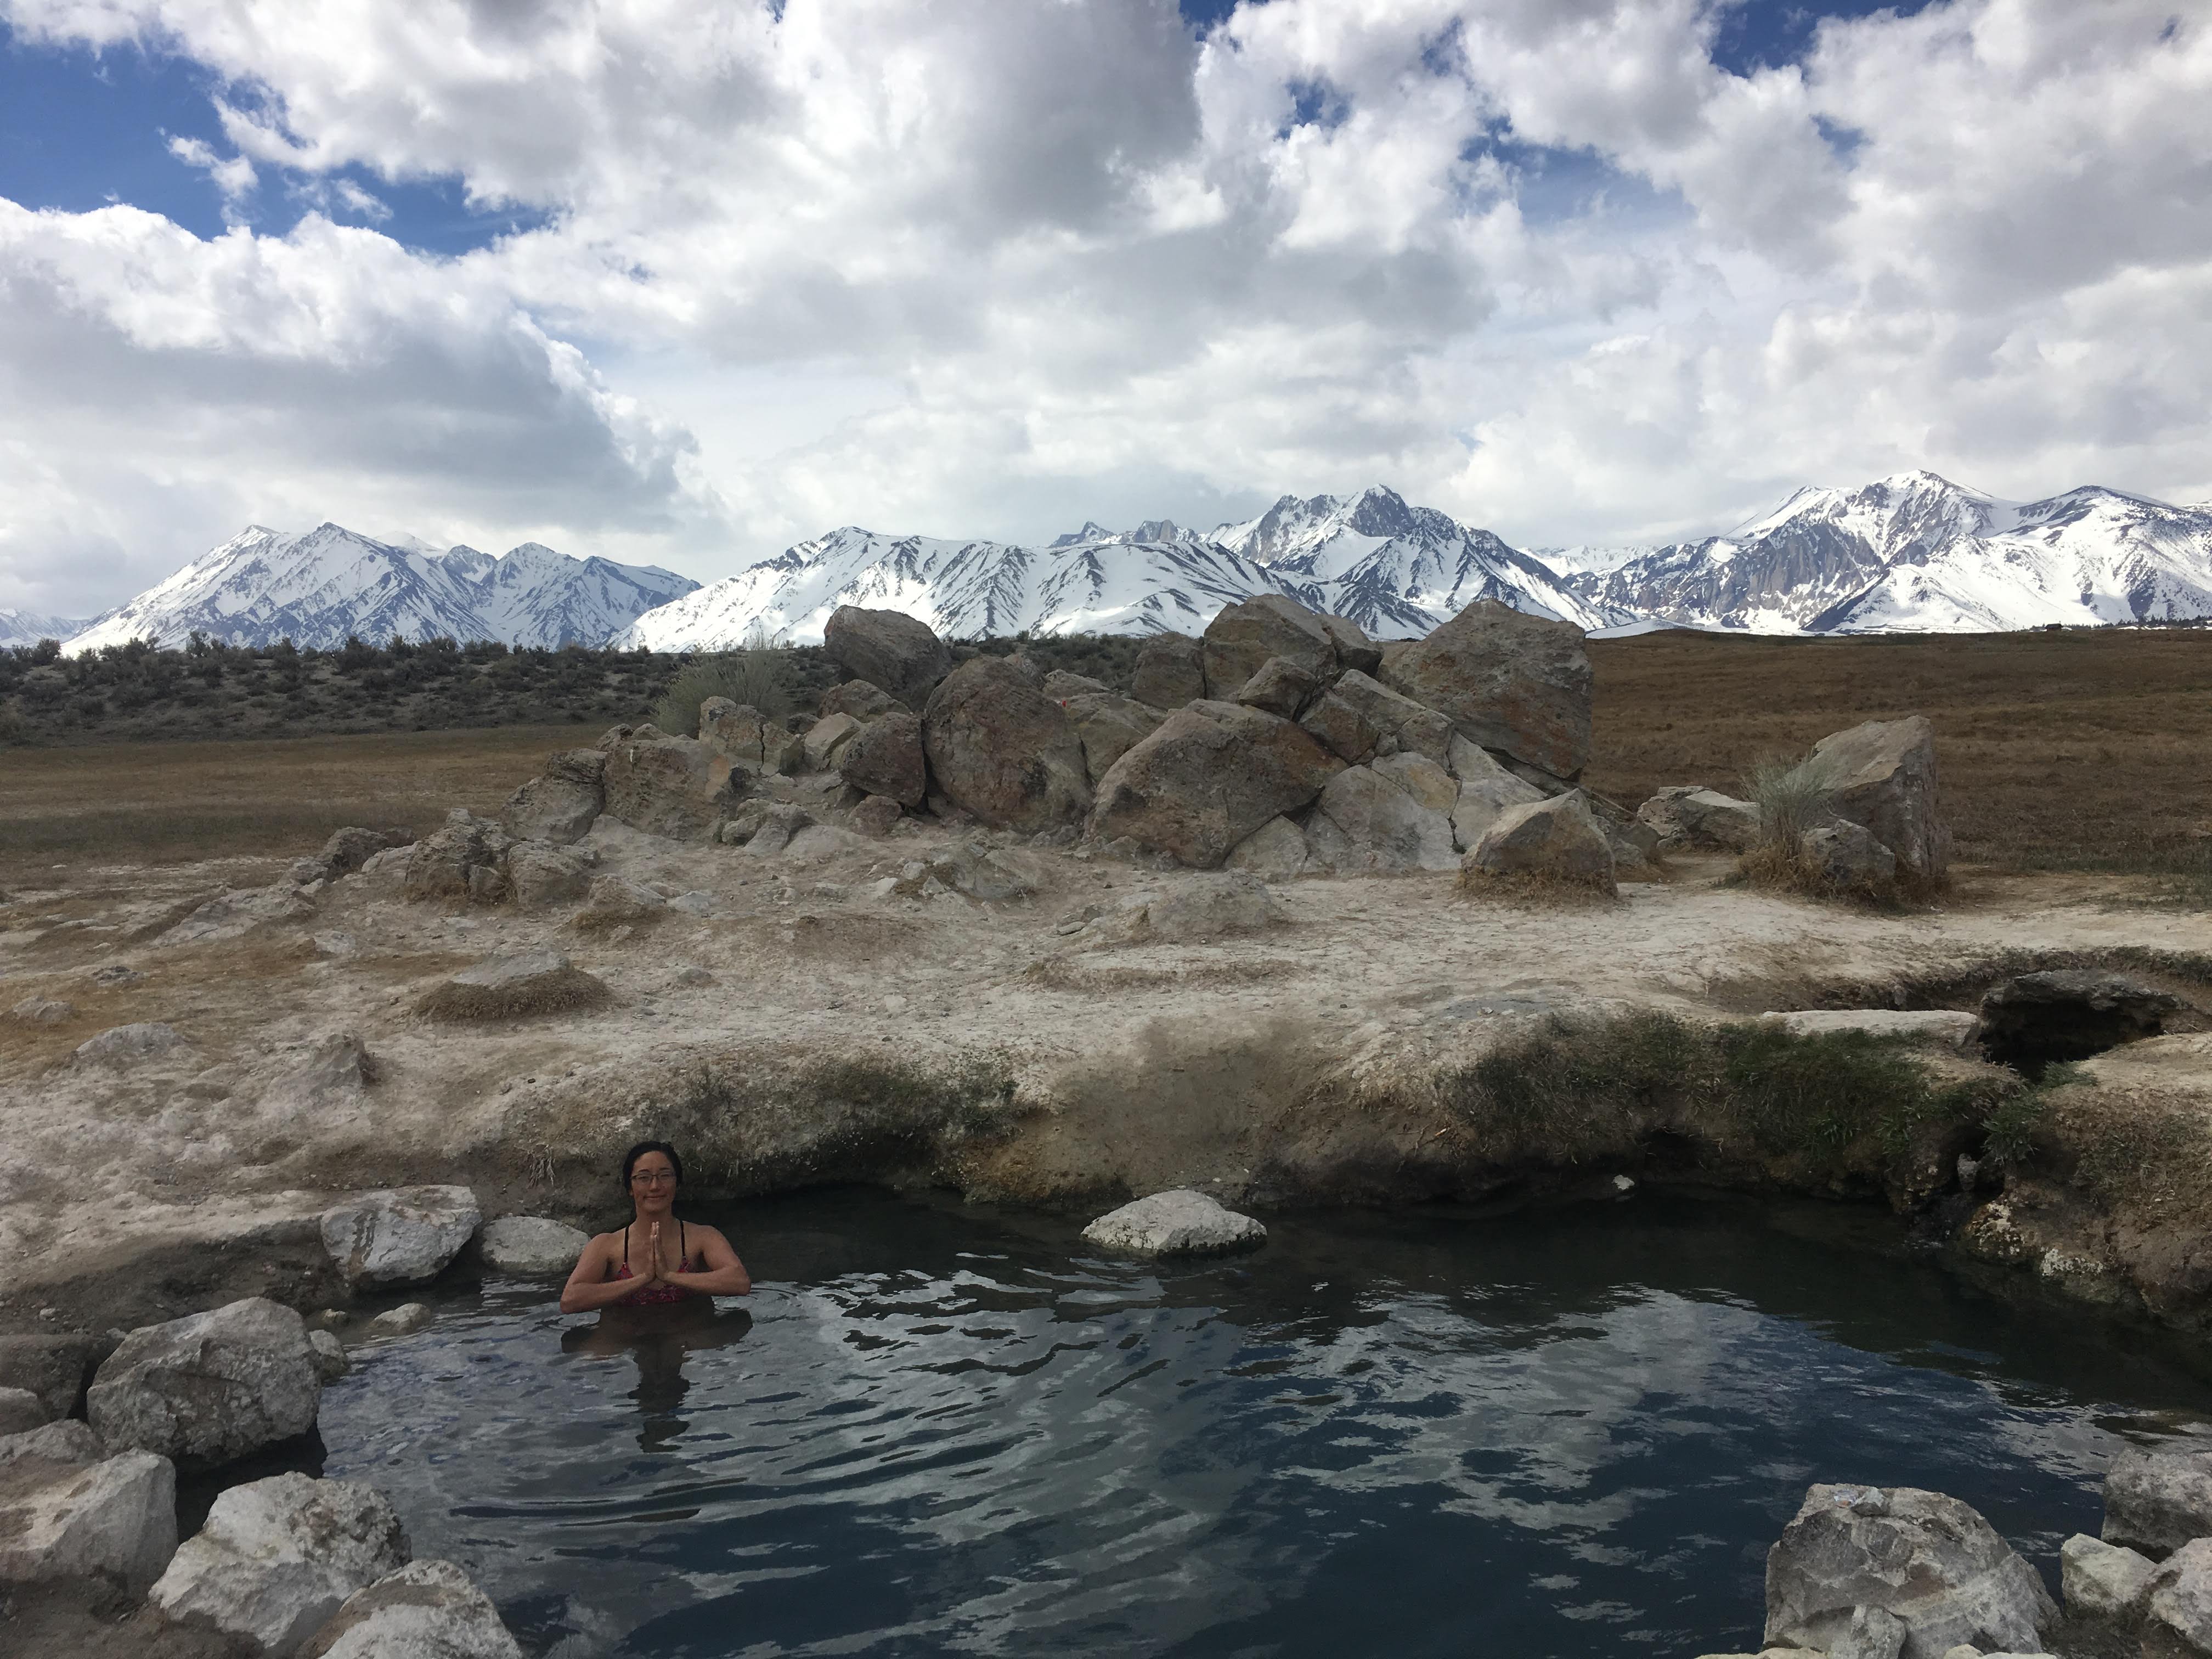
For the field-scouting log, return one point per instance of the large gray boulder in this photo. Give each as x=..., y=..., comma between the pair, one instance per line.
x=278, y=1557
x=679, y=787
x=1363, y=824
x=401, y=1236
x=863, y=699
x=1242, y=636
x=55, y=1368
x=349, y=848
x=1486, y=790
x=1507, y=681
x=206, y=1389
x=561, y=803
x=1398, y=721
x=1178, y=1223
x=1928, y=1560
x=1280, y=686
x=1691, y=818
x=889, y=649
x=1276, y=850
x=1555, y=839
x=1338, y=725
x=2178, y=1607
x=1882, y=776
x=1170, y=672
x=885, y=758
x=461, y=861
x=1209, y=776
x=1108, y=727
x=70, y=1512
x=540, y=873
x=426, y=1610
x=826, y=740
x=2158, y=1498
x=1003, y=751
x=753, y=742
x=532, y=1246
x=2099, y=1580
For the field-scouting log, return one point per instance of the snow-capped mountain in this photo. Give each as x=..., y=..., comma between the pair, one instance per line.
x=315, y=589
x=1916, y=553
x=29, y=627
x=1396, y=570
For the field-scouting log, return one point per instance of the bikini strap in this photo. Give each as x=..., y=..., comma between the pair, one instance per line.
x=625, y=1246
x=683, y=1248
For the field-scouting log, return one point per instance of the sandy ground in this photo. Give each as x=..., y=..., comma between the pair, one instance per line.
x=1136, y=1064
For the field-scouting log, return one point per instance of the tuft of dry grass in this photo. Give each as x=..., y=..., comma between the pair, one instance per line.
x=566, y=991
x=1530, y=890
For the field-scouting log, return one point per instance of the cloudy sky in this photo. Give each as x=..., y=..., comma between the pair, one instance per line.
x=683, y=283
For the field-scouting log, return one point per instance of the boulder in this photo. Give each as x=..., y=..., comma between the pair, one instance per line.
x=1179, y=1223
x=70, y=1512
x=1364, y=825
x=1276, y=850
x=876, y=816
x=532, y=1245
x=560, y=805
x=1882, y=775
x=889, y=649
x=2099, y=1580
x=1691, y=818
x=235, y=915
x=2177, y=1614
x=426, y=1610
x=458, y=861
x=1060, y=685
x=349, y=848
x=1242, y=636
x=1000, y=748
x=1421, y=778
x=776, y=825
x=42, y=1010
x=209, y=1388
x=540, y=873
x=1486, y=790
x=331, y=1362
x=825, y=738
x=278, y=1557
x=1217, y=908
x=679, y=787
x=885, y=758
x=403, y=1236
x=970, y=868
x=1928, y=1560
x=1507, y=681
x=753, y=742
x=863, y=699
x=128, y=1045
x=2158, y=1498
x=1280, y=686
x=22, y=1410
x=1554, y=838
x=1170, y=672
x=1341, y=728
x=2069, y=1013
x=519, y=987
x=56, y=1368
x=405, y=1319
x=1354, y=648
x=615, y=899
x=1398, y=721
x=1108, y=727
x=1207, y=778
x=1846, y=857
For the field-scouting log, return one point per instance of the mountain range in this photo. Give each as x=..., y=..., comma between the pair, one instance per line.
x=1908, y=553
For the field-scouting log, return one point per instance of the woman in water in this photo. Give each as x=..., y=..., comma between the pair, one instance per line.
x=657, y=1258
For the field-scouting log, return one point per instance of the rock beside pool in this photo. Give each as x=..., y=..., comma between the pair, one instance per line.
x=278, y=1557
x=1929, y=1560
x=405, y=1319
x=331, y=1362
x=22, y=1410
x=532, y=1245
x=2179, y=1617
x=2156, y=1499
x=427, y=1610
x=1179, y=1223
x=207, y=1389
x=2103, y=1581
x=69, y=1512
x=405, y=1235
x=56, y=1368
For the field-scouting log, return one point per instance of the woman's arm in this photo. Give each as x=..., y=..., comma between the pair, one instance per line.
x=589, y=1288
x=725, y=1275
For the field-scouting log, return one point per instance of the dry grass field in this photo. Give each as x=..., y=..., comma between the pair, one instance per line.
x=2058, y=751
x=2084, y=752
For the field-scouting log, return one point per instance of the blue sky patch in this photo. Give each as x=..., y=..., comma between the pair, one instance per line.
x=1756, y=34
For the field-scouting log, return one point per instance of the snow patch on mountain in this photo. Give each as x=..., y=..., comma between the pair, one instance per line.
x=317, y=588
x=29, y=627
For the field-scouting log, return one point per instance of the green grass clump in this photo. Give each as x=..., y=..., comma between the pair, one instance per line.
x=759, y=676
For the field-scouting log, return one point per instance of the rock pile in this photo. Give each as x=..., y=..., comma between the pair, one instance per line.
x=1897, y=1573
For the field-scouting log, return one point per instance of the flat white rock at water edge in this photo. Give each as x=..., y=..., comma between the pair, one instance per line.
x=1178, y=1223
x=532, y=1245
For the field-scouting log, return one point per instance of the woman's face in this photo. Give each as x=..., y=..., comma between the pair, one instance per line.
x=653, y=1183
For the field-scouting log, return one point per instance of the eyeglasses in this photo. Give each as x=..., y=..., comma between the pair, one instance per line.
x=654, y=1178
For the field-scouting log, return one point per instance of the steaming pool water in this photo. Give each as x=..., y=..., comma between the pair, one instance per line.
x=937, y=1429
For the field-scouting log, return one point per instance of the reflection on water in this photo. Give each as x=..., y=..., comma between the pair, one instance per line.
x=944, y=1431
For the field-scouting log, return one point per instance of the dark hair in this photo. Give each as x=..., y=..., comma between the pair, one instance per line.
x=631, y=1157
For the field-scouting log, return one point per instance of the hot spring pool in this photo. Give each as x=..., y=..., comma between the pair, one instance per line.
x=937, y=1429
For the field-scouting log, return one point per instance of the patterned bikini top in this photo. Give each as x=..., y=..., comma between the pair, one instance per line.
x=657, y=1293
